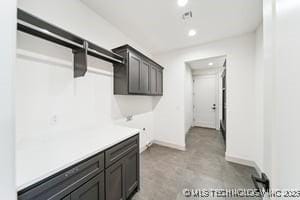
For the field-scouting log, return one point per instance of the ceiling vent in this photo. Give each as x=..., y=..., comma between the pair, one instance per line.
x=187, y=15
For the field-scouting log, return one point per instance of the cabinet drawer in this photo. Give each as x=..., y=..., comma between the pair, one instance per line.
x=63, y=183
x=120, y=150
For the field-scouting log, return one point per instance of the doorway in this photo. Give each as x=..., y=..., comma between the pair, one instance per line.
x=205, y=101
x=209, y=93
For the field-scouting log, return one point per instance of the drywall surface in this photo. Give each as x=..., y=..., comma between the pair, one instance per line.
x=286, y=91
x=7, y=132
x=269, y=165
x=188, y=99
x=259, y=97
x=169, y=112
x=49, y=99
x=144, y=122
x=281, y=98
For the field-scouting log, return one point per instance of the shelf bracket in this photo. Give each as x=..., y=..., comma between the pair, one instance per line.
x=80, y=60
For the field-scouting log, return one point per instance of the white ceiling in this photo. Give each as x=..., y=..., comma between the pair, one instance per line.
x=158, y=26
x=203, y=64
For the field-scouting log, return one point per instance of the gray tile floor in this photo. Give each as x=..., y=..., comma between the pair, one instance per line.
x=166, y=172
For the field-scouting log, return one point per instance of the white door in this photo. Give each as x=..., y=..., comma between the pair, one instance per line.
x=205, y=101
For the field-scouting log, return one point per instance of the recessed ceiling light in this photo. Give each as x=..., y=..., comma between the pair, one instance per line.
x=192, y=32
x=182, y=3
x=210, y=64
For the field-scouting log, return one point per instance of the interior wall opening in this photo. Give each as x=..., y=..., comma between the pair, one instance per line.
x=205, y=94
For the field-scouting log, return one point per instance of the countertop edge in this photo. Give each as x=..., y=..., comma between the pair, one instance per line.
x=74, y=162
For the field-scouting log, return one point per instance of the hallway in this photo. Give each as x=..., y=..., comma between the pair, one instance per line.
x=166, y=172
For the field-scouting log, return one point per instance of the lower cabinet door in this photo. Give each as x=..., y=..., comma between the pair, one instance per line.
x=131, y=172
x=67, y=197
x=115, y=181
x=92, y=190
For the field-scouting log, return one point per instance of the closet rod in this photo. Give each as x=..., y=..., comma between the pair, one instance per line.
x=34, y=26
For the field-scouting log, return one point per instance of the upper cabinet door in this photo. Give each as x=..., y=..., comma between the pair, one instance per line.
x=159, y=82
x=144, y=78
x=134, y=73
x=153, y=80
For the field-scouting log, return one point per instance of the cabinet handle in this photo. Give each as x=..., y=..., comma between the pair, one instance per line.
x=72, y=171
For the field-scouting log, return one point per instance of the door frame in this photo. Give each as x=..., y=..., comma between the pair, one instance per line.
x=216, y=74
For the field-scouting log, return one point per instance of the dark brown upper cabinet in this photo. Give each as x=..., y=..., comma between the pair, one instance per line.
x=139, y=75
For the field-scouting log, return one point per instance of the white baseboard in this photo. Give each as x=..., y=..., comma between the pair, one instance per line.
x=188, y=130
x=243, y=162
x=142, y=149
x=170, y=145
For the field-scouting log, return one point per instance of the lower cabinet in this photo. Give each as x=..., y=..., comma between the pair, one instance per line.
x=131, y=172
x=115, y=181
x=122, y=169
x=122, y=178
x=114, y=178
x=67, y=198
x=92, y=190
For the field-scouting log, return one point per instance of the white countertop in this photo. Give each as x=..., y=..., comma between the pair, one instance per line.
x=41, y=156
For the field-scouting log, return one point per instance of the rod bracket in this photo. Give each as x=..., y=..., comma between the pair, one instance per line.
x=80, y=60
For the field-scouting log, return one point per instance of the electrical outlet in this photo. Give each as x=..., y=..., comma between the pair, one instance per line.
x=53, y=120
x=129, y=118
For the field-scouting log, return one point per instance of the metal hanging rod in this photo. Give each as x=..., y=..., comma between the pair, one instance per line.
x=34, y=26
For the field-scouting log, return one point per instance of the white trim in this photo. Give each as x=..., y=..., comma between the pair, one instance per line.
x=142, y=149
x=242, y=161
x=146, y=146
x=202, y=124
x=170, y=145
x=189, y=130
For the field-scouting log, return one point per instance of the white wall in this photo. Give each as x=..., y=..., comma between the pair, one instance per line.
x=259, y=97
x=282, y=47
x=188, y=99
x=287, y=92
x=7, y=133
x=169, y=113
x=142, y=121
x=269, y=88
x=45, y=86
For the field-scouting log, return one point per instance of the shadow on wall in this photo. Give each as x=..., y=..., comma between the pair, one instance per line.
x=155, y=102
x=94, y=90
x=124, y=106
